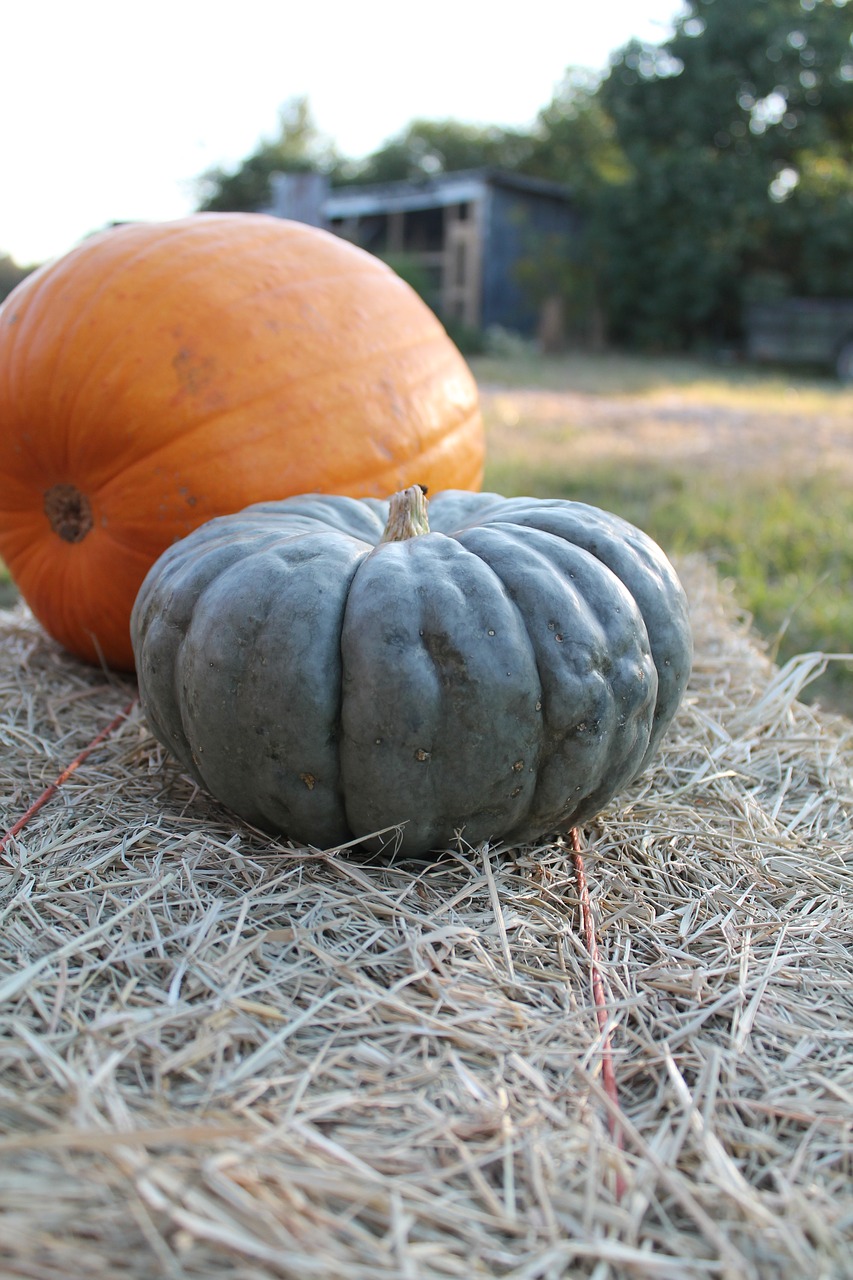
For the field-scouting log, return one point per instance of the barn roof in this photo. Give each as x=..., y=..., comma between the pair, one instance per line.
x=429, y=192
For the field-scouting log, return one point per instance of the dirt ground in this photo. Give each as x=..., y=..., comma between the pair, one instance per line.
x=807, y=435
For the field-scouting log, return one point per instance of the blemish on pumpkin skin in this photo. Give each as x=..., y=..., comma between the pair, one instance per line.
x=392, y=397
x=308, y=779
x=450, y=661
x=194, y=374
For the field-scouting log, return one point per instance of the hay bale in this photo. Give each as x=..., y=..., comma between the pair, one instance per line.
x=225, y=1057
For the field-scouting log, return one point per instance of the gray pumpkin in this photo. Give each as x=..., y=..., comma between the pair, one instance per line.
x=501, y=673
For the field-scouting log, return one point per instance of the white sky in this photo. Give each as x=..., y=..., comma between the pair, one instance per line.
x=110, y=110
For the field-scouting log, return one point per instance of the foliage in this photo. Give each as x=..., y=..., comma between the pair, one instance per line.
x=11, y=274
x=8, y=592
x=574, y=141
x=409, y=267
x=424, y=148
x=429, y=147
x=737, y=137
x=812, y=229
x=711, y=169
x=298, y=147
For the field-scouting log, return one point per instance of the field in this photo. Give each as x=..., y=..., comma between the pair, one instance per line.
x=753, y=470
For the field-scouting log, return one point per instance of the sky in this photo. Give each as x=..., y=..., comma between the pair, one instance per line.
x=111, y=111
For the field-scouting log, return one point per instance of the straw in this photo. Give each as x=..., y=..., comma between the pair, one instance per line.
x=224, y=1056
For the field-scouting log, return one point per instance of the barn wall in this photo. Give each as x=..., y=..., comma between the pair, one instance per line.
x=489, y=247
x=521, y=227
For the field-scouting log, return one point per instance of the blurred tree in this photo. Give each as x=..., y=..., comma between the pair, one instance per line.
x=11, y=274
x=299, y=147
x=428, y=147
x=736, y=135
x=812, y=237
x=574, y=141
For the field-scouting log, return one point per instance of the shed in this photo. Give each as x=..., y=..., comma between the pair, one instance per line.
x=480, y=238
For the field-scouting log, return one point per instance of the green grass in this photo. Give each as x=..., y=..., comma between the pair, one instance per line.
x=786, y=541
x=789, y=552
x=8, y=594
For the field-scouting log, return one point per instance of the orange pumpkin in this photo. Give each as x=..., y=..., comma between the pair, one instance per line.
x=162, y=374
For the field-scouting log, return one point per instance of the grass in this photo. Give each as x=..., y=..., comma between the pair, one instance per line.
x=779, y=528
x=618, y=374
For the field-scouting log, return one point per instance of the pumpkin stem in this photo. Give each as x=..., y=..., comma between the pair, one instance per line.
x=407, y=515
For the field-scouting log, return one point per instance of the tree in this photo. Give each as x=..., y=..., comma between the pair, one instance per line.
x=298, y=147
x=574, y=143
x=737, y=138
x=428, y=147
x=574, y=140
x=11, y=274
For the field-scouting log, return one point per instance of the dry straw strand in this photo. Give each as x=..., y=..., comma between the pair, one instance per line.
x=50, y=791
x=221, y=1055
